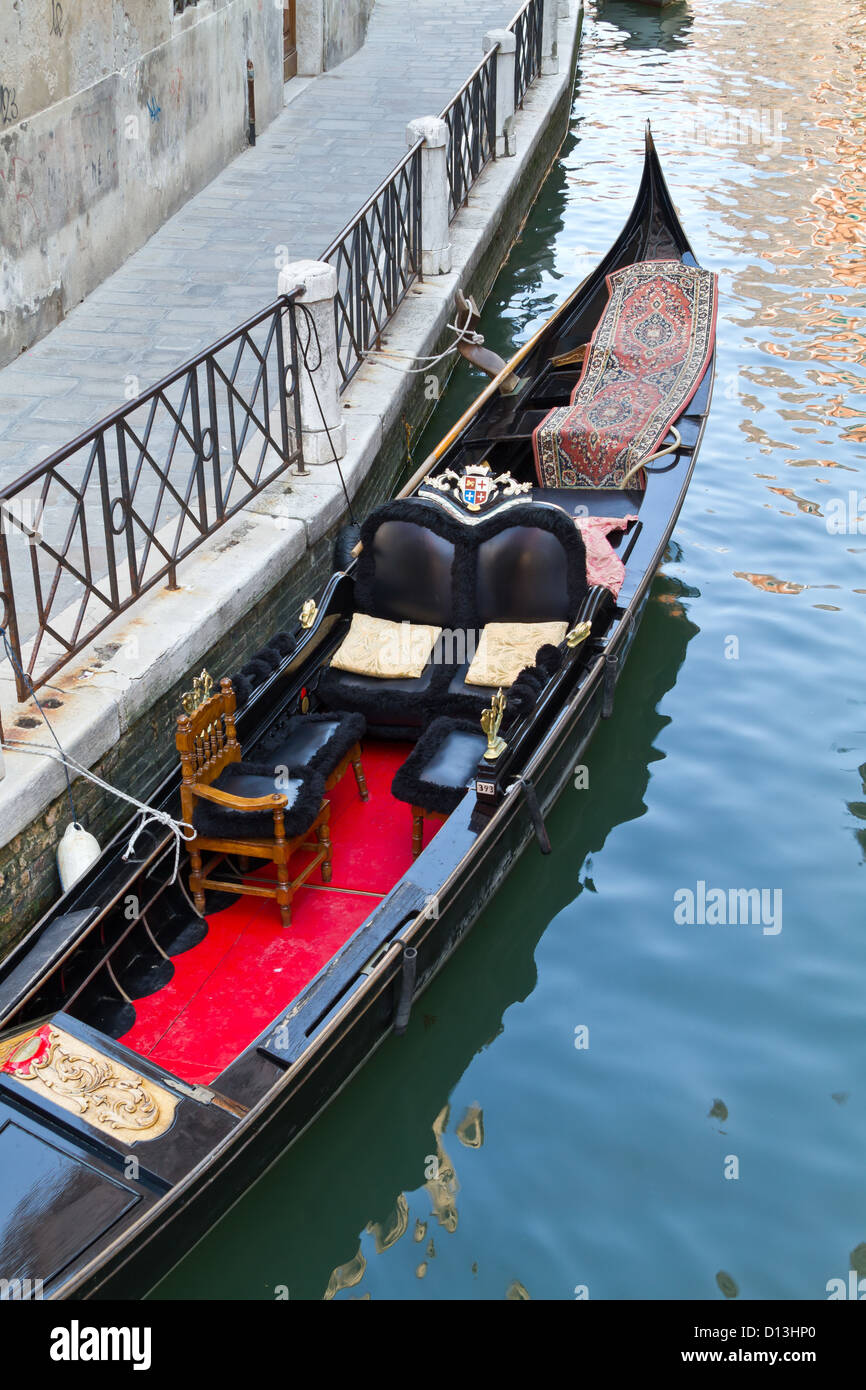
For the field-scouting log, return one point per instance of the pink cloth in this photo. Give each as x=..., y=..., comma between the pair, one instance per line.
x=603, y=565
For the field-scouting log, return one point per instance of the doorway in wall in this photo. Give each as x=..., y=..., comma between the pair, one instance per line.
x=290, y=40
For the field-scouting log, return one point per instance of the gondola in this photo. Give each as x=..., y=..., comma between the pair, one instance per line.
x=164, y=1039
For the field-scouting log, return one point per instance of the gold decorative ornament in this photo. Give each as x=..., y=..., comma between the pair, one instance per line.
x=74, y=1076
x=202, y=689
x=477, y=487
x=491, y=720
x=578, y=634
x=309, y=613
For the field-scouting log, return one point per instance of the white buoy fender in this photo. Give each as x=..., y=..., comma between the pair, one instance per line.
x=76, y=852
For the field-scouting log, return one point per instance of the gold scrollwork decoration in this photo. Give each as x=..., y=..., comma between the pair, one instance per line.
x=309, y=613
x=104, y=1093
x=202, y=689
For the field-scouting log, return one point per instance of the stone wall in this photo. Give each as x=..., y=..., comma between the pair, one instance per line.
x=345, y=29
x=112, y=114
x=329, y=32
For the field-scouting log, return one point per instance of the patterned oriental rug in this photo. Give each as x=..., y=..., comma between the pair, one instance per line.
x=644, y=363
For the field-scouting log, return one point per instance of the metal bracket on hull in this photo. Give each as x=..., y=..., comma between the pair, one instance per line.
x=611, y=670
x=535, y=815
x=407, y=989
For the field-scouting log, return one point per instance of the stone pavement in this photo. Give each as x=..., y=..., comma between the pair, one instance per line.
x=214, y=263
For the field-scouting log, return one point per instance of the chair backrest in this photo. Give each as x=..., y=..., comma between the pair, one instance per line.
x=206, y=737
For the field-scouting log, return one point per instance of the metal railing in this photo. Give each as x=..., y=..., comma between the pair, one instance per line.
x=377, y=257
x=110, y=515
x=527, y=28
x=107, y=517
x=471, y=121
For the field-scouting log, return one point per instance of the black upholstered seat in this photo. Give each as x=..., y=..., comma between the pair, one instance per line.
x=317, y=742
x=441, y=766
x=421, y=564
x=434, y=778
x=302, y=788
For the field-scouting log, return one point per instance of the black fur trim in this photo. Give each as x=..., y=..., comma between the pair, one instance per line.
x=258, y=668
x=408, y=785
x=243, y=688
x=271, y=656
x=223, y=822
x=349, y=730
x=549, y=659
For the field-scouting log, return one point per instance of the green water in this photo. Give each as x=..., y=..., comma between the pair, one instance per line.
x=736, y=758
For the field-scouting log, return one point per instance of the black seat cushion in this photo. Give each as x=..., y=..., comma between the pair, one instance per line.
x=441, y=766
x=401, y=702
x=317, y=742
x=303, y=789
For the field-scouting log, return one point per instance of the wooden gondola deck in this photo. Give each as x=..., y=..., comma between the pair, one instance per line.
x=230, y=986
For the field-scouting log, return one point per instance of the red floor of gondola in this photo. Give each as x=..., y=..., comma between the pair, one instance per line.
x=227, y=989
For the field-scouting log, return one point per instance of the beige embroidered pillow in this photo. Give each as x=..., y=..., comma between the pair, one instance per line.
x=505, y=648
x=377, y=647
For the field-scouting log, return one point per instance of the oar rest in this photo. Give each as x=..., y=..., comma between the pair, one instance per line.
x=254, y=810
x=428, y=583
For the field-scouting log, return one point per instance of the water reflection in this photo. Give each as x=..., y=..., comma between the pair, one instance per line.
x=644, y=26
x=378, y=1170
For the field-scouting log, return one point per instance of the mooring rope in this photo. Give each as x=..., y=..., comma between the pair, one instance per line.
x=147, y=813
x=59, y=755
x=464, y=334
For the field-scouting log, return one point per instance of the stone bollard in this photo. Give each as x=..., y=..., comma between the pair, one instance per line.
x=435, y=227
x=506, y=140
x=549, y=28
x=320, y=288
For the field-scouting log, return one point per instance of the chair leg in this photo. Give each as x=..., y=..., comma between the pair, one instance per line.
x=195, y=881
x=358, y=769
x=417, y=831
x=324, y=834
x=284, y=892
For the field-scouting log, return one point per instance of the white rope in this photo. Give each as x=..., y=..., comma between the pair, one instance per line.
x=177, y=827
x=464, y=335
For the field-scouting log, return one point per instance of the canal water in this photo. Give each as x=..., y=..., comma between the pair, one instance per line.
x=596, y=1098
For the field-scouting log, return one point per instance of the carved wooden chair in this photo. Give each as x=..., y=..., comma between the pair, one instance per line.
x=239, y=807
